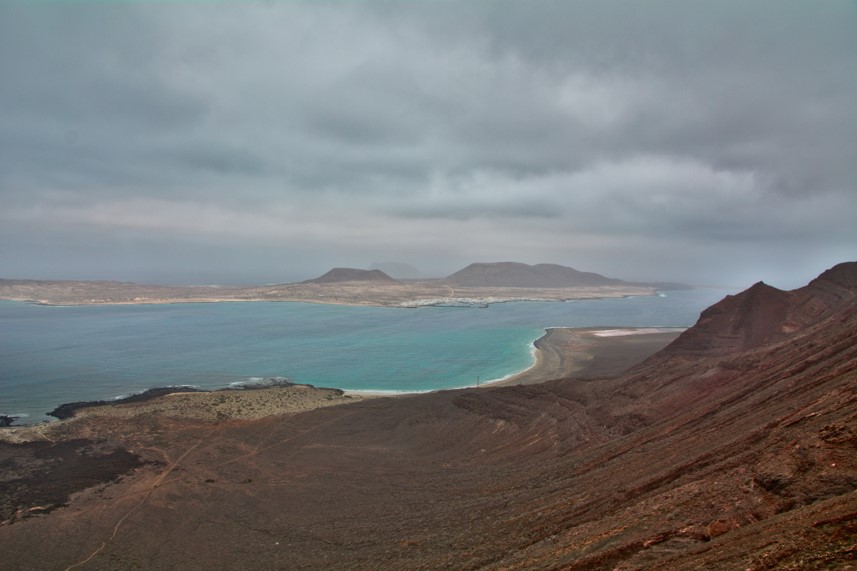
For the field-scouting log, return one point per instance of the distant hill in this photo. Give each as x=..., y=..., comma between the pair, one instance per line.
x=337, y=275
x=397, y=270
x=513, y=274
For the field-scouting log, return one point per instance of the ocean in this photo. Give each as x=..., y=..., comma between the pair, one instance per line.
x=54, y=355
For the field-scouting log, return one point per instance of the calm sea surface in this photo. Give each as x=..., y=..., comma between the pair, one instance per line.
x=53, y=355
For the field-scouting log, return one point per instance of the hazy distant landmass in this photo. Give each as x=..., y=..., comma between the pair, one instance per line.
x=337, y=275
x=665, y=286
x=476, y=284
x=514, y=274
x=398, y=270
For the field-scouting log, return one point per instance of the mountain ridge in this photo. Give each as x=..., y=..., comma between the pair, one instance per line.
x=762, y=314
x=516, y=274
x=338, y=275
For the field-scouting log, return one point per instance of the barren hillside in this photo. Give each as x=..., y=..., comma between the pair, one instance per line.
x=337, y=275
x=734, y=448
x=513, y=274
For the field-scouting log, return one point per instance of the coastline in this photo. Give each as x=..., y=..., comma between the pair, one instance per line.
x=573, y=352
x=181, y=403
x=400, y=294
x=589, y=352
x=558, y=354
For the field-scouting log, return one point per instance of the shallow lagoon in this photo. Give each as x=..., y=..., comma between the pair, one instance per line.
x=52, y=355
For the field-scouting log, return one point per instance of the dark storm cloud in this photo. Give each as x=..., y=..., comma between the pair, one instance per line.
x=682, y=140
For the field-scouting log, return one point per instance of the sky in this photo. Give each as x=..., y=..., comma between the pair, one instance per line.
x=260, y=142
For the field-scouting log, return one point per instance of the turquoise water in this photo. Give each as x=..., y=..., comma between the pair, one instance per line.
x=53, y=355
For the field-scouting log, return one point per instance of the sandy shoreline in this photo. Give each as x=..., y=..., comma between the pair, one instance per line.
x=560, y=353
x=565, y=352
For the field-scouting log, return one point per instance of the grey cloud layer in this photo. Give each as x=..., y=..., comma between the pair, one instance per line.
x=656, y=138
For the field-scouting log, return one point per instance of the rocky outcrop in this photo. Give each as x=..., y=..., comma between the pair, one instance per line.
x=68, y=410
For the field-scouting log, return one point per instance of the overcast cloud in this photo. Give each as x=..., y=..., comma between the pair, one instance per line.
x=708, y=142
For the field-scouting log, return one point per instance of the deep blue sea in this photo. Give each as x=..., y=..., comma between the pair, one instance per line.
x=53, y=355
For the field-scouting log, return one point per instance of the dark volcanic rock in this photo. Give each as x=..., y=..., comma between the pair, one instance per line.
x=39, y=477
x=337, y=275
x=67, y=410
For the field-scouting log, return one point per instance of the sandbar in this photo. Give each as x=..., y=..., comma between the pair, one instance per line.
x=588, y=353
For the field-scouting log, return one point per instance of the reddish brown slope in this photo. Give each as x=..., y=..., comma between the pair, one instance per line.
x=764, y=314
x=742, y=455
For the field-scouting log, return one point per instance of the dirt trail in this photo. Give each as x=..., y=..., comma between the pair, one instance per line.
x=155, y=485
